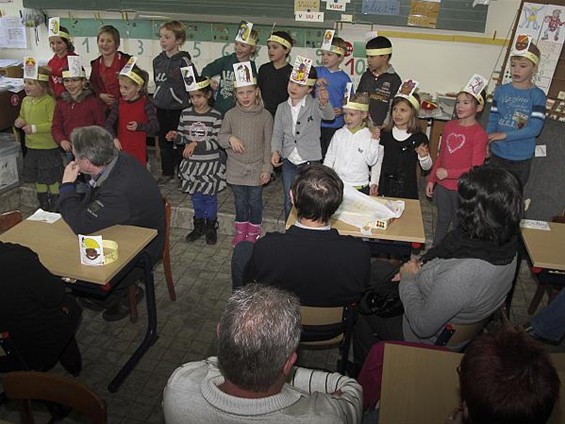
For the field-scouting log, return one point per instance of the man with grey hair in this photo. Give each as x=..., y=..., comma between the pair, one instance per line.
x=121, y=191
x=253, y=379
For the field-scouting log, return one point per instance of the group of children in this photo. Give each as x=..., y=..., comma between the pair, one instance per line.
x=233, y=124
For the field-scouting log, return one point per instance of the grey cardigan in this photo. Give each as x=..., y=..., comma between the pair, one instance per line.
x=306, y=137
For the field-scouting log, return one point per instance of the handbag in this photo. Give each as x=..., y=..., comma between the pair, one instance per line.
x=382, y=297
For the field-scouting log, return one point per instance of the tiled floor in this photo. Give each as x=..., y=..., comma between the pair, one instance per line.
x=186, y=327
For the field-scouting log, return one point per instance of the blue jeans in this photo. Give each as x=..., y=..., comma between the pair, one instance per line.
x=241, y=255
x=248, y=203
x=446, y=201
x=289, y=171
x=549, y=323
x=205, y=205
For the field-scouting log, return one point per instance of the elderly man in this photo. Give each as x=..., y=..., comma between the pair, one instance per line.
x=253, y=378
x=121, y=191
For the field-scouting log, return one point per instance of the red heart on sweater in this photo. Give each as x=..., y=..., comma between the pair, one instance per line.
x=455, y=142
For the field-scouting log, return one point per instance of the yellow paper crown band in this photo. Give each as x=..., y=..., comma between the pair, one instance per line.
x=201, y=85
x=62, y=34
x=413, y=101
x=239, y=85
x=378, y=52
x=250, y=41
x=68, y=74
x=311, y=82
x=527, y=55
x=135, y=78
x=479, y=97
x=357, y=106
x=42, y=77
x=280, y=40
x=335, y=49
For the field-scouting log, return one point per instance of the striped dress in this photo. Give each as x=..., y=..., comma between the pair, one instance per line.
x=203, y=172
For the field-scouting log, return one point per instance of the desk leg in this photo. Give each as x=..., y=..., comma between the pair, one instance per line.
x=151, y=332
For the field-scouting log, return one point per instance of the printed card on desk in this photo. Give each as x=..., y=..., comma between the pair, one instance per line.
x=91, y=250
x=534, y=224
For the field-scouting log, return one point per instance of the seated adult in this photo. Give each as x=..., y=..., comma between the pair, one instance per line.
x=506, y=378
x=40, y=317
x=121, y=191
x=253, y=378
x=311, y=259
x=467, y=276
x=549, y=323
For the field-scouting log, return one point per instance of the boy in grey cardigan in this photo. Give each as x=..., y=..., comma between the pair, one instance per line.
x=296, y=132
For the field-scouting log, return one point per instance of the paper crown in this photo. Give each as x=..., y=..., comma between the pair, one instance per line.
x=280, y=40
x=407, y=90
x=244, y=33
x=475, y=87
x=189, y=78
x=327, y=43
x=75, y=69
x=54, y=29
x=357, y=106
x=243, y=74
x=31, y=69
x=522, y=48
x=301, y=70
x=127, y=71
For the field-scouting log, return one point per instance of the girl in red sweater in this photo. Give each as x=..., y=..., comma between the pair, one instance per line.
x=463, y=146
x=60, y=43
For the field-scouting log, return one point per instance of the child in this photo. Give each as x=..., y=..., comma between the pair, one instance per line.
x=380, y=81
x=133, y=118
x=353, y=150
x=246, y=134
x=404, y=146
x=42, y=164
x=170, y=96
x=273, y=76
x=244, y=49
x=296, y=133
x=60, y=42
x=517, y=113
x=203, y=175
x=107, y=66
x=77, y=107
x=336, y=83
x=463, y=146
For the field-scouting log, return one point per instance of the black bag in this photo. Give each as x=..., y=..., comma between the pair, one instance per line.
x=382, y=298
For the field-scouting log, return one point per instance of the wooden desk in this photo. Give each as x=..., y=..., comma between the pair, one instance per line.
x=546, y=248
x=408, y=228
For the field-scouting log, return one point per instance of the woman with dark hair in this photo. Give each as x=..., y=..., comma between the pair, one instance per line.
x=466, y=277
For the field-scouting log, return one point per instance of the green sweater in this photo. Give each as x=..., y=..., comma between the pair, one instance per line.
x=39, y=111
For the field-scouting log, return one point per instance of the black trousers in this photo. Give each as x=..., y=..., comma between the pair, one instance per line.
x=170, y=155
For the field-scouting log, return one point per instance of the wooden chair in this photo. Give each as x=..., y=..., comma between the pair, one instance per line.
x=166, y=259
x=458, y=336
x=324, y=327
x=25, y=386
x=9, y=219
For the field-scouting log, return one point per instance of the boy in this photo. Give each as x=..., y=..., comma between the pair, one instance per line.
x=335, y=81
x=296, y=133
x=517, y=113
x=170, y=96
x=380, y=81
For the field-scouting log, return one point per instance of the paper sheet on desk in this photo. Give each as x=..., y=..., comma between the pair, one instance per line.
x=14, y=85
x=44, y=216
x=364, y=211
x=534, y=225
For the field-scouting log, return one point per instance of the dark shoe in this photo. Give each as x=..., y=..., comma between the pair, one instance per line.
x=120, y=309
x=43, y=199
x=53, y=199
x=198, y=231
x=165, y=179
x=92, y=304
x=71, y=359
x=211, y=231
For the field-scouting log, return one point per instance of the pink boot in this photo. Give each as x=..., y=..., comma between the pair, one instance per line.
x=240, y=232
x=253, y=232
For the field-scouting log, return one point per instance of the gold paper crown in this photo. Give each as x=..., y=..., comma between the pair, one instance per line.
x=280, y=40
x=357, y=106
x=135, y=78
x=202, y=84
x=522, y=48
x=407, y=91
x=378, y=52
x=68, y=74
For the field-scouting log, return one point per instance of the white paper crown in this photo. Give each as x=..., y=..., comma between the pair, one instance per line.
x=127, y=71
x=475, y=87
x=301, y=70
x=327, y=43
x=54, y=29
x=522, y=46
x=31, y=69
x=243, y=74
x=189, y=78
x=75, y=69
x=407, y=90
x=244, y=33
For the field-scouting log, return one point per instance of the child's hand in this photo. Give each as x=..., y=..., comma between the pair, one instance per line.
x=19, y=123
x=28, y=129
x=441, y=174
x=374, y=190
x=264, y=178
x=189, y=149
x=107, y=98
x=323, y=96
x=430, y=189
x=66, y=145
x=497, y=136
x=337, y=111
x=376, y=133
x=171, y=135
x=276, y=159
x=118, y=144
x=422, y=150
x=132, y=125
x=236, y=144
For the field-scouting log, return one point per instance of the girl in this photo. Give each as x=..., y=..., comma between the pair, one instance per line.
x=133, y=118
x=353, y=150
x=464, y=144
x=223, y=66
x=246, y=134
x=106, y=67
x=203, y=175
x=273, y=76
x=77, y=107
x=42, y=164
x=62, y=47
x=404, y=147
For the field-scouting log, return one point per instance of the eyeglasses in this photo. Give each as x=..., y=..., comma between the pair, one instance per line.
x=67, y=80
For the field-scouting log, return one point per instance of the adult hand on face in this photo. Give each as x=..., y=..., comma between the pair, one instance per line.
x=71, y=172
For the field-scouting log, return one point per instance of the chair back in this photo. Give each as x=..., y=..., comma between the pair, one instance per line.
x=9, y=220
x=457, y=336
x=25, y=386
